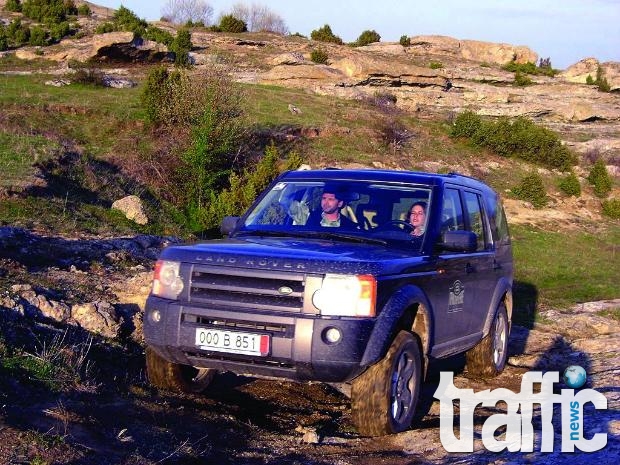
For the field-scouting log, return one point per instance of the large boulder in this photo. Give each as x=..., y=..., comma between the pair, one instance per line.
x=131, y=206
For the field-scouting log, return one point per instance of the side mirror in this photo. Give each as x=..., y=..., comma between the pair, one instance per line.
x=458, y=241
x=228, y=225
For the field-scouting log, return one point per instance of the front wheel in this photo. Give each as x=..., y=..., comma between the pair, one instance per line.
x=384, y=397
x=488, y=358
x=175, y=377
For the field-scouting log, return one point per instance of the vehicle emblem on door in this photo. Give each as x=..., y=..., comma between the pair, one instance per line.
x=285, y=290
x=457, y=297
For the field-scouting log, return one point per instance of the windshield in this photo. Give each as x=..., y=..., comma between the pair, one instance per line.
x=343, y=210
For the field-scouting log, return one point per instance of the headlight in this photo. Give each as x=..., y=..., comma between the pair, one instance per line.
x=347, y=295
x=167, y=282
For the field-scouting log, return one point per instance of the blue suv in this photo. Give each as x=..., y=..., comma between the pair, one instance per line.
x=342, y=276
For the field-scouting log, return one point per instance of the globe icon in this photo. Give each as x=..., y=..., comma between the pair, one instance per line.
x=574, y=376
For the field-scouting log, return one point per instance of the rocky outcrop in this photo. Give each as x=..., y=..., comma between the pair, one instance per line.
x=580, y=71
x=132, y=207
x=475, y=50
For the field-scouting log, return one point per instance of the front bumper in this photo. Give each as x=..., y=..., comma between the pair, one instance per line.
x=298, y=348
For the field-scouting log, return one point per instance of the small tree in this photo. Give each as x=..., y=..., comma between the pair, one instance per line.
x=184, y=11
x=405, y=41
x=38, y=36
x=4, y=40
x=228, y=23
x=570, y=185
x=600, y=179
x=181, y=46
x=325, y=34
x=589, y=80
x=368, y=37
x=318, y=55
x=601, y=80
x=532, y=189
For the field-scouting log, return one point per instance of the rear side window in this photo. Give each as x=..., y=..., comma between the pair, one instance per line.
x=475, y=215
x=501, y=223
x=452, y=213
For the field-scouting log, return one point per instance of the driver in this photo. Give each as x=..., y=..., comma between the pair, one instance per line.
x=417, y=218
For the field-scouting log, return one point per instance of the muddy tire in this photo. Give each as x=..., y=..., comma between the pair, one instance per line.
x=488, y=358
x=384, y=397
x=175, y=377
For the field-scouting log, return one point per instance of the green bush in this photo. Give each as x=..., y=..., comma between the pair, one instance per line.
x=405, y=41
x=532, y=189
x=325, y=34
x=181, y=46
x=570, y=186
x=531, y=68
x=521, y=138
x=466, y=124
x=611, y=208
x=17, y=33
x=104, y=28
x=601, y=80
x=589, y=80
x=522, y=80
x=435, y=65
x=13, y=5
x=88, y=76
x=159, y=35
x=318, y=55
x=367, y=37
x=38, y=36
x=229, y=23
x=84, y=10
x=48, y=11
x=59, y=30
x=600, y=179
x=4, y=40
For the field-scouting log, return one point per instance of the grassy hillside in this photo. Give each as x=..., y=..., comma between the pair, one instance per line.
x=95, y=131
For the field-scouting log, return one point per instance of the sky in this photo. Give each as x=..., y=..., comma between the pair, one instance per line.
x=566, y=31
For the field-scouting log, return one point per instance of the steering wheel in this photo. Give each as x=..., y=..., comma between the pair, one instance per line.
x=396, y=224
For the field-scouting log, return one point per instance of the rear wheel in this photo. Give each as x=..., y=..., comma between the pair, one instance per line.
x=176, y=377
x=488, y=357
x=384, y=397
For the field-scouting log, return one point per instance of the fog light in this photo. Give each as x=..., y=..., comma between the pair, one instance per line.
x=156, y=316
x=332, y=335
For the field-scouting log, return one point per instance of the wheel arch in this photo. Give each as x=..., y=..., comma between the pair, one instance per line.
x=407, y=309
x=503, y=293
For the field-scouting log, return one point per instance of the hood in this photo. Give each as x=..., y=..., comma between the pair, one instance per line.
x=294, y=254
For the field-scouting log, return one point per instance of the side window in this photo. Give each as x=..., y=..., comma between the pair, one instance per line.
x=501, y=224
x=475, y=216
x=452, y=213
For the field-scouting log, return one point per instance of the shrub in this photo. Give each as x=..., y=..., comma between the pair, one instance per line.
x=88, y=76
x=83, y=10
x=435, y=65
x=600, y=179
x=522, y=80
x=570, y=186
x=159, y=35
x=17, y=33
x=466, y=124
x=367, y=37
x=532, y=189
x=531, y=68
x=13, y=5
x=229, y=23
x=325, y=34
x=405, y=41
x=181, y=47
x=60, y=30
x=126, y=20
x=104, y=28
x=611, y=208
x=318, y=55
x=48, y=11
x=589, y=80
x=521, y=138
x=4, y=40
x=601, y=80
x=38, y=36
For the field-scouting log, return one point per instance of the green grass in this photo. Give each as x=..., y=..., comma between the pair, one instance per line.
x=561, y=269
x=19, y=152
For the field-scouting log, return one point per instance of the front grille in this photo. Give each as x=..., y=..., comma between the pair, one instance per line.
x=276, y=329
x=247, y=289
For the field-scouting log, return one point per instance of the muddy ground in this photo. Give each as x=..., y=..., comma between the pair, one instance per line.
x=102, y=410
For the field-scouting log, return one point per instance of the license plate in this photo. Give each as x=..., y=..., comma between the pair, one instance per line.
x=232, y=342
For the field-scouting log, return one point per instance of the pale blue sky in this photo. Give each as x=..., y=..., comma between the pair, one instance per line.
x=564, y=30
